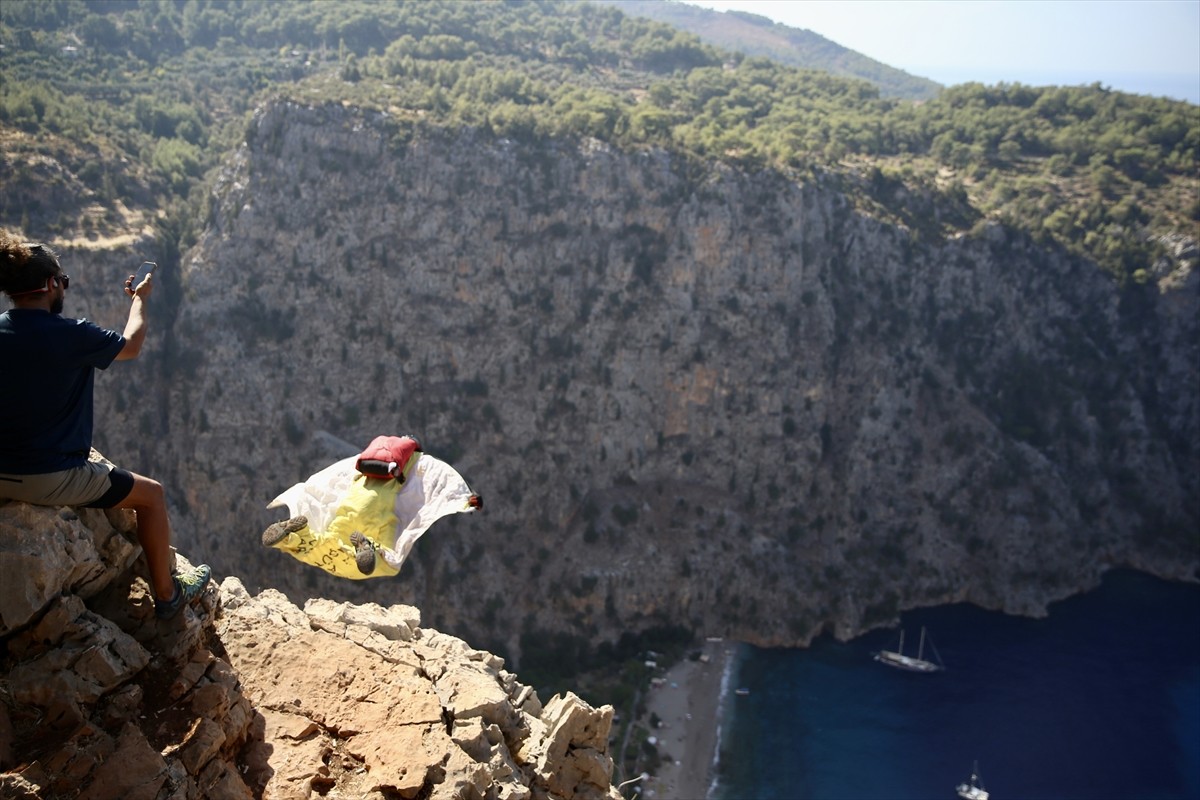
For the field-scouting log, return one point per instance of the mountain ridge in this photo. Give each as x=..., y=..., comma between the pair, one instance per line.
x=1102, y=172
x=756, y=35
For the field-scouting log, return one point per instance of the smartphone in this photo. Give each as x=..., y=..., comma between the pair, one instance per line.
x=145, y=269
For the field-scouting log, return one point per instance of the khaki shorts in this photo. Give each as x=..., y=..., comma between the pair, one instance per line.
x=97, y=484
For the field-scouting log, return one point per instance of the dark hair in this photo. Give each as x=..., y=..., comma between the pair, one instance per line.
x=25, y=266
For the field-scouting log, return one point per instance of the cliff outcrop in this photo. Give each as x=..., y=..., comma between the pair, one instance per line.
x=250, y=696
x=738, y=402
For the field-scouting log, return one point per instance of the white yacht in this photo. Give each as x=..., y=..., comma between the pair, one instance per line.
x=896, y=658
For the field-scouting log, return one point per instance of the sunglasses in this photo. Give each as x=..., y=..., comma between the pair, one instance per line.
x=64, y=280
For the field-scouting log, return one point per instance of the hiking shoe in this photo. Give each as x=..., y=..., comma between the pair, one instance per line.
x=278, y=531
x=364, y=553
x=188, y=586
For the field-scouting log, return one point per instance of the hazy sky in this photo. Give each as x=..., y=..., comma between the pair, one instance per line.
x=1143, y=46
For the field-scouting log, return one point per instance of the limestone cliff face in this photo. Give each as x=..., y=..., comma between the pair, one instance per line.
x=690, y=395
x=245, y=697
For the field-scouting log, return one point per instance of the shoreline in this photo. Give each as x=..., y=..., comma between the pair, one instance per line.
x=688, y=704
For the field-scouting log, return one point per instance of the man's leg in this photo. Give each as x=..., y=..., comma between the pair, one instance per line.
x=364, y=552
x=285, y=534
x=153, y=532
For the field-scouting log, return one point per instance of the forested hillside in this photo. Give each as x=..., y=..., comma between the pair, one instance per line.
x=140, y=99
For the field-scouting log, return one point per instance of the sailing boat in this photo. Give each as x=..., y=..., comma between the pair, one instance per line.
x=896, y=658
x=972, y=790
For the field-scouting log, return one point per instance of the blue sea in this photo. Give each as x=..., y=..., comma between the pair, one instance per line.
x=1098, y=701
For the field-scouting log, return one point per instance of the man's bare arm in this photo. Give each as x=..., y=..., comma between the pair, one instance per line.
x=135, y=327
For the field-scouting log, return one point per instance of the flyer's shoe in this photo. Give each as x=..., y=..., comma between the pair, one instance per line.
x=278, y=531
x=364, y=553
x=188, y=586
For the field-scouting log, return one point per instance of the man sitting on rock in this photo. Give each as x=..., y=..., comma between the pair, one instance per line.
x=47, y=367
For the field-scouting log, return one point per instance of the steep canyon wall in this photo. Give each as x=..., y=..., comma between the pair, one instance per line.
x=690, y=395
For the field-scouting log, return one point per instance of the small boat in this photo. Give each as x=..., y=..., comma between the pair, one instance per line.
x=974, y=789
x=742, y=692
x=896, y=658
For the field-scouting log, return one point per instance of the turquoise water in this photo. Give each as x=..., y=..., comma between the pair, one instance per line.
x=1098, y=701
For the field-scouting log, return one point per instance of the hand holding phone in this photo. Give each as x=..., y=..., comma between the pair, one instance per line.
x=144, y=271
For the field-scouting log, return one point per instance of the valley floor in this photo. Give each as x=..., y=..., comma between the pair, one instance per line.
x=688, y=705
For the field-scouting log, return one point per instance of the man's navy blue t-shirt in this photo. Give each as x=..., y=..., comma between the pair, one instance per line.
x=47, y=365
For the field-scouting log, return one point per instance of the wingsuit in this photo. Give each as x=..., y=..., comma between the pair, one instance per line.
x=360, y=517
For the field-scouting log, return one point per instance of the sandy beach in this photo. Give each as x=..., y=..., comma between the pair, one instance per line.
x=687, y=703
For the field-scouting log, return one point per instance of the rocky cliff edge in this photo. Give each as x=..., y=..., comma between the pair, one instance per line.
x=248, y=697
